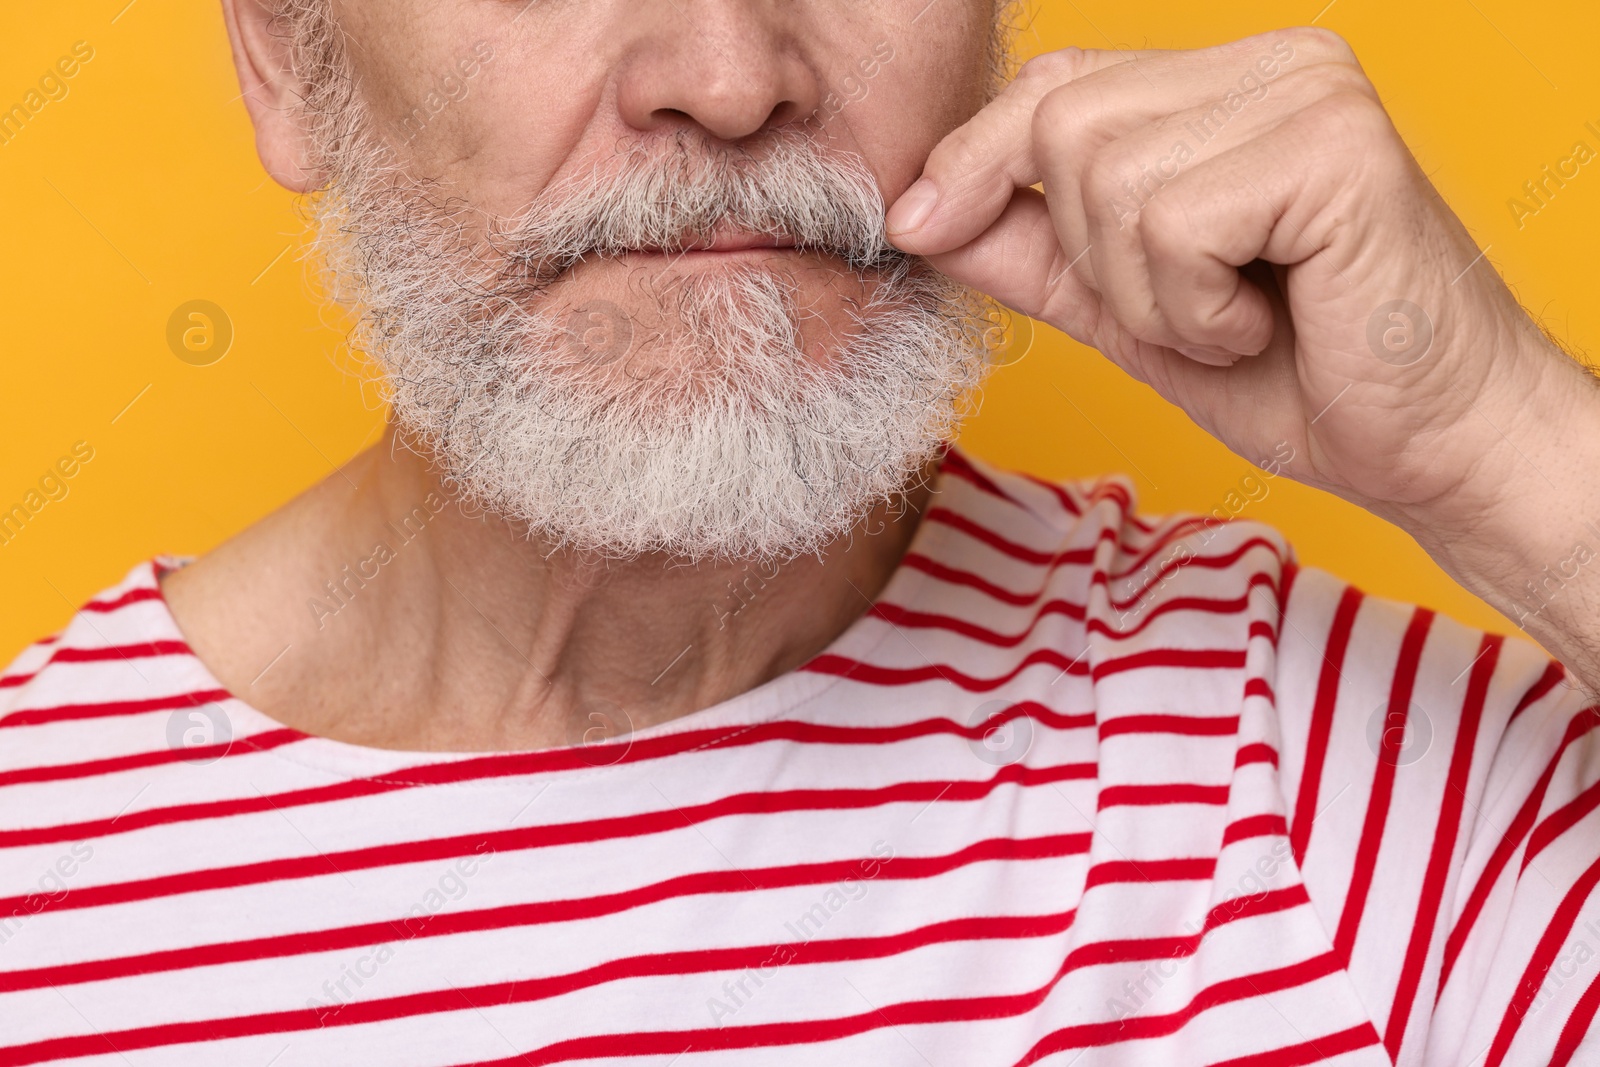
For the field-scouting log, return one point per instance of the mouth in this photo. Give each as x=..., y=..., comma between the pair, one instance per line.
x=721, y=243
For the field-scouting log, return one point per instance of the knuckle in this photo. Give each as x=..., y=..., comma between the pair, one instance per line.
x=1337, y=78
x=1144, y=319
x=1321, y=43
x=1066, y=63
x=1059, y=115
x=1068, y=127
x=1069, y=123
x=1072, y=109
x=1357, y=119
x=1169, y=229
x=1103, y=176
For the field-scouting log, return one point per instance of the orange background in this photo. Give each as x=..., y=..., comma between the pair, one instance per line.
x=140, y=191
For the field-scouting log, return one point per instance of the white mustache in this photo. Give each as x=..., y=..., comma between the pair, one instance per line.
x=672, y=200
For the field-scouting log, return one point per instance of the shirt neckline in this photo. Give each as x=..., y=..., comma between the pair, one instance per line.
x=783, y=694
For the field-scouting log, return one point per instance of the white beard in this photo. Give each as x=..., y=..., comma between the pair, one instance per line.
x=722, y=440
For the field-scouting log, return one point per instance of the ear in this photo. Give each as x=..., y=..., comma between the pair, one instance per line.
x=271, y=93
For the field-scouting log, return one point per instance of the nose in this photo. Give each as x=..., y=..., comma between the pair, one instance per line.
x=731, y=67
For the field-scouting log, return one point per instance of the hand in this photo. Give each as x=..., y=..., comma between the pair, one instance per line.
x=1242, y=228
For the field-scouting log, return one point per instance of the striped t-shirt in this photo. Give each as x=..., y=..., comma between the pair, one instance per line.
x=1079, y=787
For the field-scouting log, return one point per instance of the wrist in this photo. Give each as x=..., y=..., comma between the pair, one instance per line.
x=1523, y=532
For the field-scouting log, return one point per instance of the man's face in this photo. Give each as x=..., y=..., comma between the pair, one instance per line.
x=623, y=260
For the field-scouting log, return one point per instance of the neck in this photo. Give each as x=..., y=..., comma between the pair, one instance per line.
x=392, y=618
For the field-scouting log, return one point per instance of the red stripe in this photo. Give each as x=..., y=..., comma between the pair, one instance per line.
x=73, y=654
x=1207, y=605
x=1186, y=725
x=670, y=1043
x=1290, y=571
x=900, y=616
x=1544, y=955
x=956, y=463
x=1321, y=728
x=1445, y=832
x=1138, y=1027
x=1553, y=673
x=675, y=963
x=526, y=990
x=551, y=835
x=1260, y=687
x=969, y=579
x=548, y=761
x=944, y=516
x=896, y=615
x=1366, y=857
x=241, y=746
x=132, y=596
x=1138, y=560
x=1577, y=727
x=1258, y=752
x=1214, y=563
x=871, y=674
x=955, y=576
x=1246, y=905
x=1105, y=489
x=1140, y=555
x=1560, y=821
x=1098, y=953
x=1323, y=1048
x=1178, y=531
x=1158, y=795
x=447, y=923
x=1578, y=1025
x=1199, y=869
x=1254, y=826
x=1058, y=491
x=1196, y=658
x=71, y=712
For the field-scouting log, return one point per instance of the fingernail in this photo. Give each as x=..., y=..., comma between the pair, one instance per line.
x=913, y=209
x=1210, y=354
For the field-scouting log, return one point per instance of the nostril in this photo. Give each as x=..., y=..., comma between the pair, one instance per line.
x=784, y=113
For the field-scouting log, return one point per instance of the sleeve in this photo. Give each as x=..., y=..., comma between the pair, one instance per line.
x=1442, y=787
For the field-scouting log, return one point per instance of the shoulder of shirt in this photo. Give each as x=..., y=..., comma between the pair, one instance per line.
x=118, y=627
x=1044, y=514
x=1186, y=554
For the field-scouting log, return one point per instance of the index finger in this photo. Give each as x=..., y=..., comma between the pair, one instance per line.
x=974, y=172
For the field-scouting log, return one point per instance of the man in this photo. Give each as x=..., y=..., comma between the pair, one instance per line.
x=663, y=689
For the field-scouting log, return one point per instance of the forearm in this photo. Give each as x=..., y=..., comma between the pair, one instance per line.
x=1529, y=540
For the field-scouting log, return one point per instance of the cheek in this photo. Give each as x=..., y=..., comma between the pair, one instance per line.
x=499, y=135
x=930, y=79
x=509, y=136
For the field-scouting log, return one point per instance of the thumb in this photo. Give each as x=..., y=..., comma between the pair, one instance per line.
x=1019, y=262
